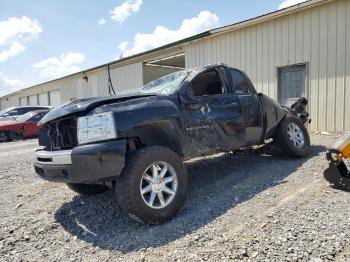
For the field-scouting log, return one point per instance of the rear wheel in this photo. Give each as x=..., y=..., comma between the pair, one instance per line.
x=292, y=137
x=87, y=189
x=13, y=136
x=3, y=137
x=153, y=185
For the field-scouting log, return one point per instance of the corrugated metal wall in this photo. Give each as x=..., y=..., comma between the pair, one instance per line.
x=127, y=78
x=319, y=37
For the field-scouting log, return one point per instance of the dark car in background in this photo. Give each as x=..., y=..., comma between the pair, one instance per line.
x=25, y=126
x=14, y=112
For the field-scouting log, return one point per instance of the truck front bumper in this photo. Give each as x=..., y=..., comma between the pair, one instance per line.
x=92, y=163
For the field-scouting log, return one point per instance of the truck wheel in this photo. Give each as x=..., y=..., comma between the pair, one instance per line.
x=292, y=137
x=153, y=185
x=87, y=189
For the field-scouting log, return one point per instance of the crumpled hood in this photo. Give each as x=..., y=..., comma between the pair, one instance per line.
x=85, y=104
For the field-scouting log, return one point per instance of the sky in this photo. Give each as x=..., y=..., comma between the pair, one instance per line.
x=41, y=40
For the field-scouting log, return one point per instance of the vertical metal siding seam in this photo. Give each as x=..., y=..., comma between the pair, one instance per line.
x=346, y=57
x=295, y=37
x=327, y=42
x=318, y=70
x=268, y=59
x=335, y=70
x=256, y=54
x=243, y=47
x=303, y=47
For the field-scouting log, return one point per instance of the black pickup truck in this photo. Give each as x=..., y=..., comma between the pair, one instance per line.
x=136, y=144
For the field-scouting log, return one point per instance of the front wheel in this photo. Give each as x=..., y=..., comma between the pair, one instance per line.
x=292, y=137
x=153, y=185
x=87, y=189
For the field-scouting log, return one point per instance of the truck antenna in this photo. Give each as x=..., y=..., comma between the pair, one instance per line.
x=110, y=84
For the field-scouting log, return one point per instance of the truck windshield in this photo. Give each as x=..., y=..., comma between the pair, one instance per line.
x=166, y=85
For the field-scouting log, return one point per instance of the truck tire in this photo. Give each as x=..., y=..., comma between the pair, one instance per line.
x=153, y=185
x=87, y=189
x=4, y=137
x=13, y=136
x=292, y=137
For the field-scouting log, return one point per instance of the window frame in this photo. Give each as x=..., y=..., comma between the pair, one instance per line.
x=246, y=79
x=306, y=87
x=222, y=81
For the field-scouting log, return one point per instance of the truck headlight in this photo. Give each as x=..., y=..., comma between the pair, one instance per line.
x=96, y=128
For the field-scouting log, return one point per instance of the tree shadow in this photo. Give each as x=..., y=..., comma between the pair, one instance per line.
x=216, y=185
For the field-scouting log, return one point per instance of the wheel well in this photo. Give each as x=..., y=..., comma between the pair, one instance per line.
x=136, y=143
x=133, y=144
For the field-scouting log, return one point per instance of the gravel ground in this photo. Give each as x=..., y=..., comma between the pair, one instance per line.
x=240, y=207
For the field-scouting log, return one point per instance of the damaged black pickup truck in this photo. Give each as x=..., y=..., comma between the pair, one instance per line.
x=136, y=144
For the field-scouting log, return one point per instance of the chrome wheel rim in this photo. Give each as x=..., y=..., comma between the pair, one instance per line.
x=158, y=185
x=296, y=135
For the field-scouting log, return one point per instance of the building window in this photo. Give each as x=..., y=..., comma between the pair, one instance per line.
x=291, y=83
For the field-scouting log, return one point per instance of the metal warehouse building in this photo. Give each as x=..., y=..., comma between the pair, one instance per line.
x=303, y=50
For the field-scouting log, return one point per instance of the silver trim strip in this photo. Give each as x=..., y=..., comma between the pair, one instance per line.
x=54, y=157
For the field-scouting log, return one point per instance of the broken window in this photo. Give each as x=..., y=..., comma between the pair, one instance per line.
x=206, y=84
x=239, y=83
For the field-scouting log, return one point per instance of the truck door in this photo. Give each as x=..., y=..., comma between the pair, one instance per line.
x=250, y=105
x=212, y=115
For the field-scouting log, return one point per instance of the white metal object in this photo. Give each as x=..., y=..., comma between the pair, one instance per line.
x=53, y=157
x=158, y=185
x=296, y=135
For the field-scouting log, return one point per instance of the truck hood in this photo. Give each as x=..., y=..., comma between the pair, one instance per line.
x=81, y=105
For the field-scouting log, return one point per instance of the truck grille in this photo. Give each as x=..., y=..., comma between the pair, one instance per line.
x=59, y=135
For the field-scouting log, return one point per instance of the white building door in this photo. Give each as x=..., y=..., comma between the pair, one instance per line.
x=44, y=99
x=55, y=98
x=33, y=100
x=23, y=101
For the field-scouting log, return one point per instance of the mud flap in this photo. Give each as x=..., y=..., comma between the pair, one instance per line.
x=338, y=175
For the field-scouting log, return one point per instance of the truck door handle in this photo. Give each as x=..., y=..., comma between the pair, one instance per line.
x=194, y=106
x=230, y=104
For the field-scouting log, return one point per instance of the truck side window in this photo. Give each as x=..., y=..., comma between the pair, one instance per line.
x=206, y=84
x=239, y=83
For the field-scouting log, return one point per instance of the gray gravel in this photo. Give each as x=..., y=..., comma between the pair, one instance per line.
x=240, y=207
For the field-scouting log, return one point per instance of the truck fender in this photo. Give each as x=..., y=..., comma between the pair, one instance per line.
x=273, y=114
x=153, y=123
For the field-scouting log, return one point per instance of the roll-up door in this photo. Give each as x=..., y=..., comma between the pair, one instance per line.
x=55, y=98
x=23, y=101
x=33, y=100
x=44, y=99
